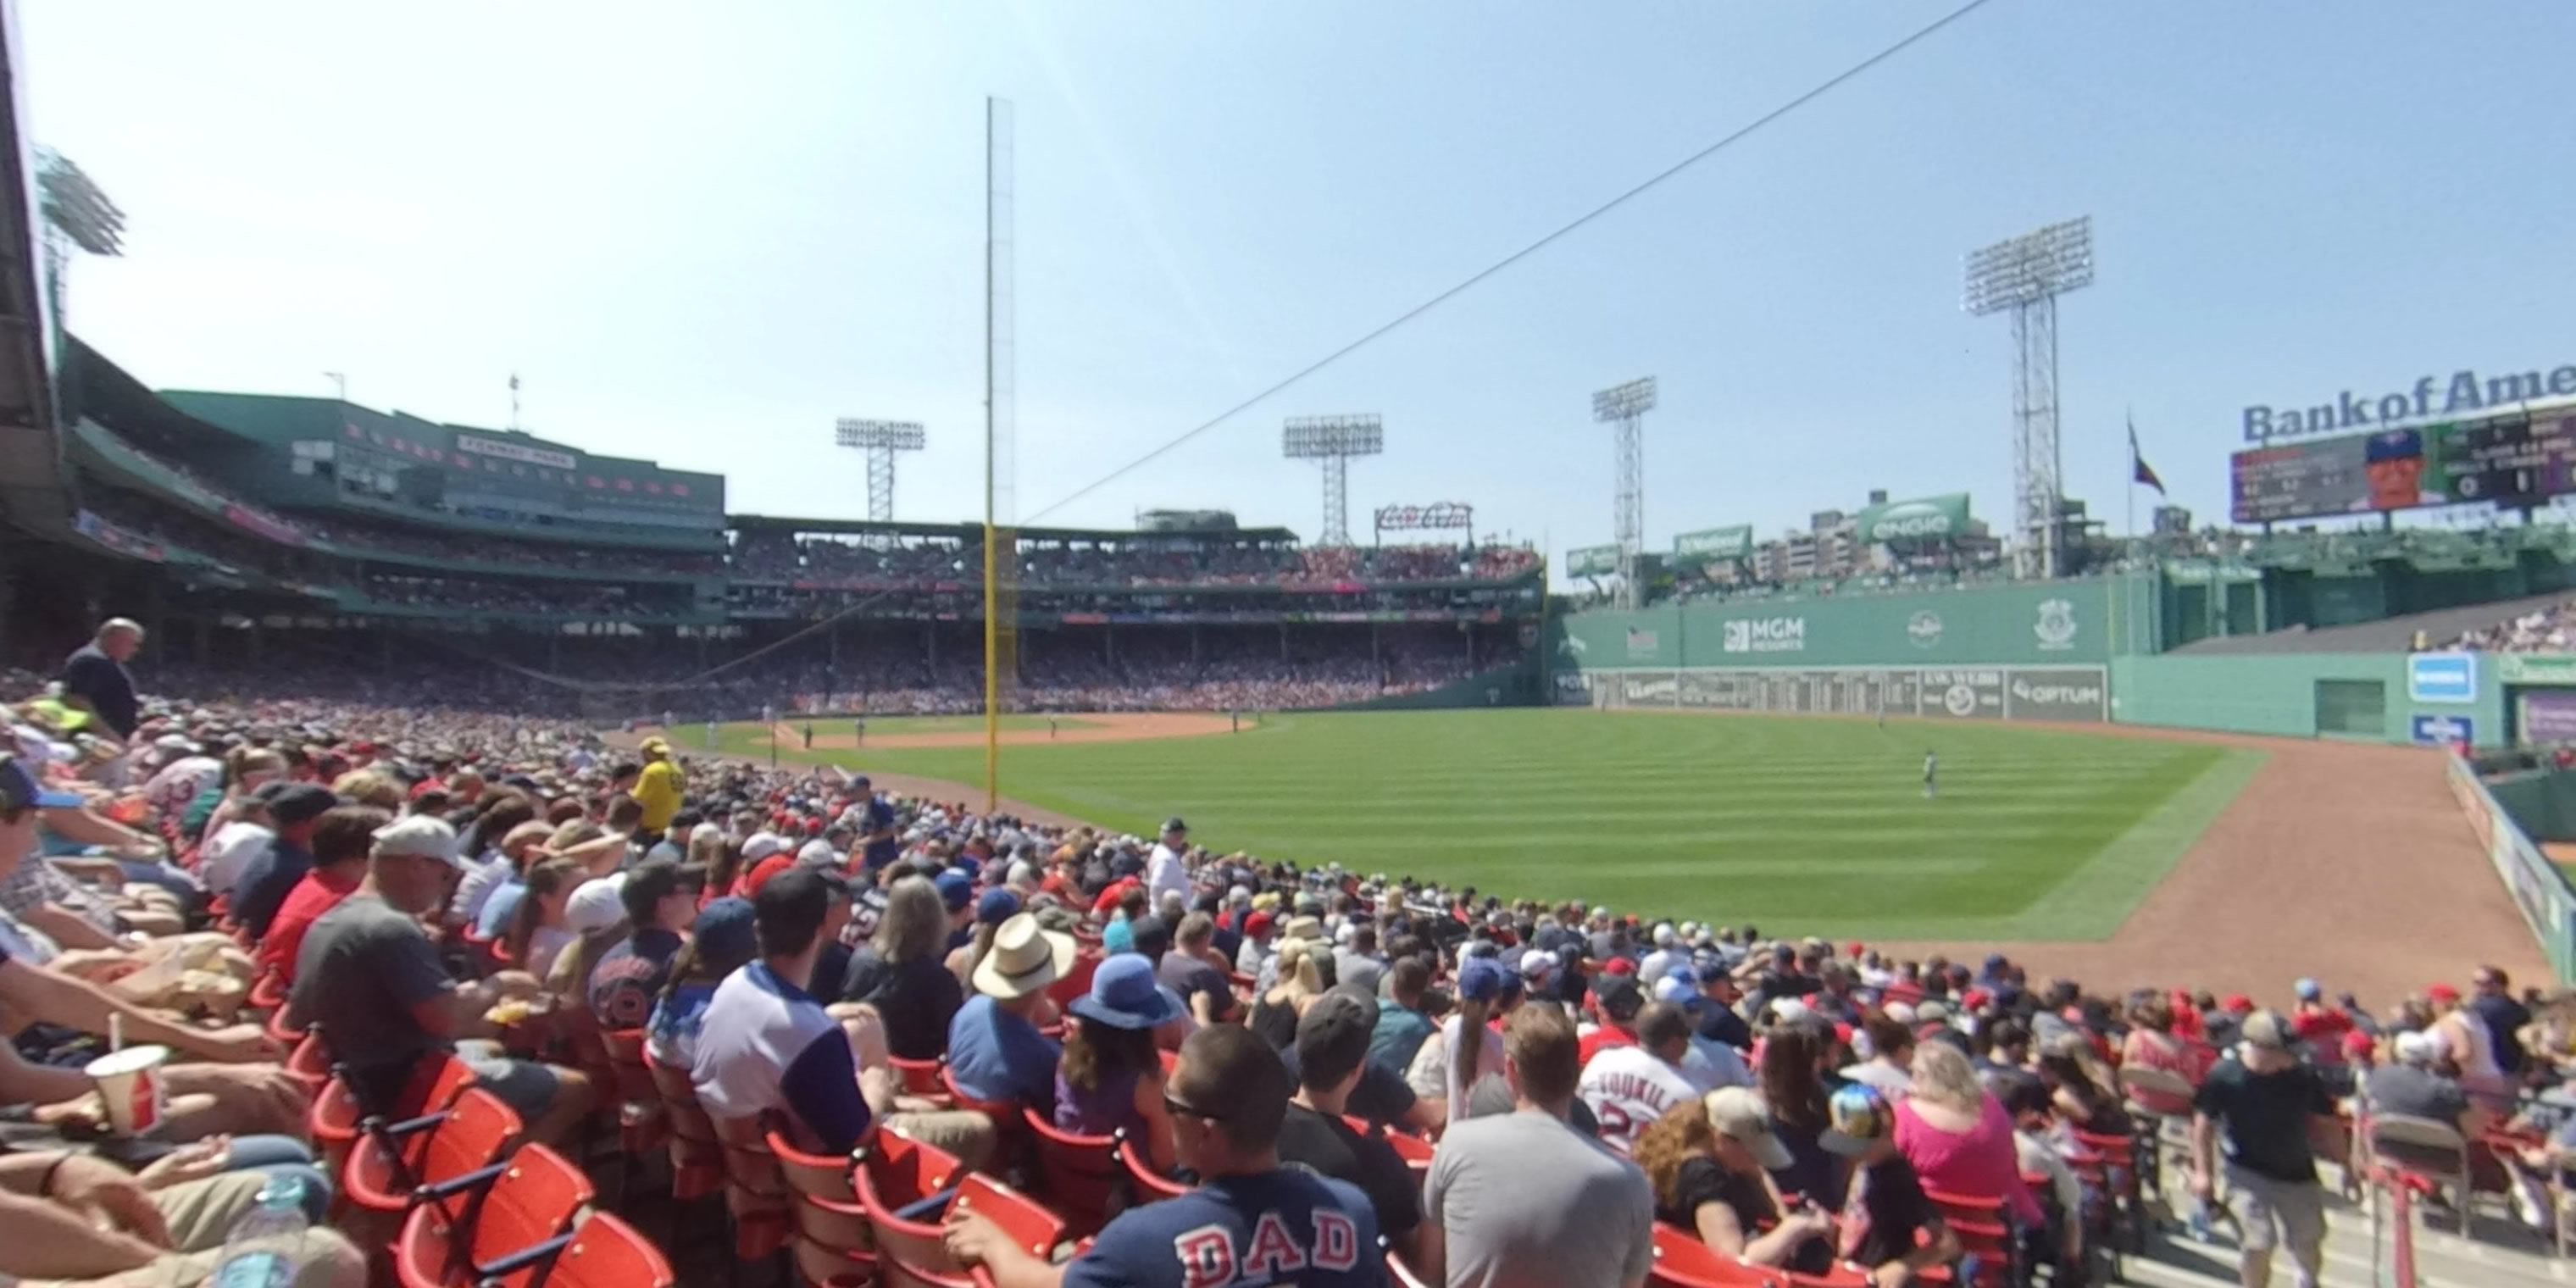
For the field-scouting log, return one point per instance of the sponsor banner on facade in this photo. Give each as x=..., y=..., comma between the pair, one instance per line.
x=2442, y=677
x=2442, y=730
x=1592, y=561
x=1931, y=518
x=520, y=452
x=1715, y=543
x=2058, y=693
x=2549, y=715
x=2072, y=693
x=2536, y=668
x=1765, y=635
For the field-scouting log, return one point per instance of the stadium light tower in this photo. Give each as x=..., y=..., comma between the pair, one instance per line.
x=2025, y=275
x=1626, y=406
x=1334, y=440
x=880, y=439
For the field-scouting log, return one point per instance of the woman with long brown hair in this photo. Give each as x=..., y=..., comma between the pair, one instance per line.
x=1792, y=1082
x=1111, y=1076
x=1706, y=1161
x=1466, y=1050
x=537, y=930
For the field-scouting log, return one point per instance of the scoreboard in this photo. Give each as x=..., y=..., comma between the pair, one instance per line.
x=2514, y=461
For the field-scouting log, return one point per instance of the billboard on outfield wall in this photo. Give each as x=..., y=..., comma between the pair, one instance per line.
x=2539, y=890
x=2026, y=625
x=1930, y=518
x=2065, y=693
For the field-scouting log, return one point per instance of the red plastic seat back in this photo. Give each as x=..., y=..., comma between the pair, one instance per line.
x=310, y=1064
x=480, y=1128
x=535, y=1200
x=608, y=1253
x=1682, y=1261
x=1035, y=1229
x=434, y=1087
x=625, y=1051
x=920, y=1077
x=897, y=1172
x=1075, y=982
x=1151, y=1186
x=1076, y=1174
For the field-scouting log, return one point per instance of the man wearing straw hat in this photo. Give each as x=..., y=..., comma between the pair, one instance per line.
x=995, y=1051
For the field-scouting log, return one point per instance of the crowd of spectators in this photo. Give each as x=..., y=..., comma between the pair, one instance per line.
x=1575, y=1075
x=2542, y=630
x=1146, y=563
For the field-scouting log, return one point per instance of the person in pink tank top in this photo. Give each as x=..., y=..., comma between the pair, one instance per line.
x=1958, y=1137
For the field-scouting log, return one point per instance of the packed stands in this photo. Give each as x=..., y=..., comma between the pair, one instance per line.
x=1039, y=1025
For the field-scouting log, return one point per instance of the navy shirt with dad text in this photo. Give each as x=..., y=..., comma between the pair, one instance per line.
x=1284, y=1227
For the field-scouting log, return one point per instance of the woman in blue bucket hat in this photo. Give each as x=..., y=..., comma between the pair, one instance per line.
x=1111, y=1077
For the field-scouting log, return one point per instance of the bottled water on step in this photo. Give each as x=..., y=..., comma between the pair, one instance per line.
x=267, y=1243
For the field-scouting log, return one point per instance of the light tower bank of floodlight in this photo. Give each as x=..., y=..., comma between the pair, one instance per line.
x=880, y=439
x=1334, y=440
x=1625, y=406
x=2025, y=275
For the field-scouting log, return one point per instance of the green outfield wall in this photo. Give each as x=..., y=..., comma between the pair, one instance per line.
x=2046, y=624
x=2363, y=696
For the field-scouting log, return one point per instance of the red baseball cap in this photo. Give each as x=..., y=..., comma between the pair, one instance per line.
x=1975, y=998
x=2442, y=993
x=2356, y=1043
x=2238, y=1004
x=1621, y=966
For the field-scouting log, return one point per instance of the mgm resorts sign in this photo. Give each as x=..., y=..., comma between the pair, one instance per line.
x=1765, y=635
x=2465, y=392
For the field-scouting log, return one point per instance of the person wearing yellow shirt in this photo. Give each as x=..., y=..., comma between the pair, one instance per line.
x=658, y=788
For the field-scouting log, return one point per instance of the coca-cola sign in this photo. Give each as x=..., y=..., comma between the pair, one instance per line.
x=1438, y=514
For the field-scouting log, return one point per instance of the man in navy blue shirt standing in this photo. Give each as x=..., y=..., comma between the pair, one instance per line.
x=1250, y=1221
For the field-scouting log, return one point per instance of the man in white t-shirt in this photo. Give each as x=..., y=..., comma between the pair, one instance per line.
x=1628, y=1087
x=1166, y=872
x=228, y=853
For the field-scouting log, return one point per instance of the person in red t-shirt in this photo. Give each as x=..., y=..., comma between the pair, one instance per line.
x=342, y=839
x=1616, y=999
x=2320, y=1026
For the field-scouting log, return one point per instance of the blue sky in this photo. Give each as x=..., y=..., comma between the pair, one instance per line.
x=700, y=233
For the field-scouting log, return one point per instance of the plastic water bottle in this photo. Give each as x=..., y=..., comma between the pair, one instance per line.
x=267, y=1243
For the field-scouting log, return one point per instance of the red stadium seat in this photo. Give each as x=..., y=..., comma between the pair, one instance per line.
x=394, y=1162
x=1149, y=1185
x=755, y=1190
x=898, y=1175
x=534, y=1197
x=1682, y=1261
x=1077, y=1174
x=835, y=1244
x=608, y=1253
x=697, y=1157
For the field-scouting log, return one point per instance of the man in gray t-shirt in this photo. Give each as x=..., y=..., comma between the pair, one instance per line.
x=363, y=969
x=1521, y=1200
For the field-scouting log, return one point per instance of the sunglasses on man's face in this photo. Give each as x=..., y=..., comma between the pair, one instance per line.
x=1176, y=1106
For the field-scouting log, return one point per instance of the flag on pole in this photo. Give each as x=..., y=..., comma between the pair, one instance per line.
x=2139, y=471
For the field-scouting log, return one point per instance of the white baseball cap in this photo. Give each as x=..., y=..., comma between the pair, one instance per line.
x=596, y=905
x=419, y=836
x=761, y=846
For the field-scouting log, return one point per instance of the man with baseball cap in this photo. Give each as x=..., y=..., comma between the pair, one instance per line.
x=2267, y=1101
x=293, y=808
x=1168, y=869
x=658, y=789
x=370, y=976
x=660, y=902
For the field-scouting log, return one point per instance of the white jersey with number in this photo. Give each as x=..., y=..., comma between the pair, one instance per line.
x=1627, y=1088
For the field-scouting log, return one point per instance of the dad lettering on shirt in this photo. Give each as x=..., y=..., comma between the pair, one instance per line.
x=1209, y=1258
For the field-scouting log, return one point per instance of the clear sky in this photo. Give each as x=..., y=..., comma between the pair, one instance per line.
x=701, y=232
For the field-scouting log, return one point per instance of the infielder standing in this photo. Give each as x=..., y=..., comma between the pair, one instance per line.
x=1931, y=775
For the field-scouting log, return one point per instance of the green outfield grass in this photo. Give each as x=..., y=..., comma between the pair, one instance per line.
x=1793, y=823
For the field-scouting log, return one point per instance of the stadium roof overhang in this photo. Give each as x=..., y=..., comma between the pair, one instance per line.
x=970, y=531
x=32, y=491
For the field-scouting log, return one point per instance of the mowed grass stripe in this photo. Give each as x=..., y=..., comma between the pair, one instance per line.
x=1794, y=823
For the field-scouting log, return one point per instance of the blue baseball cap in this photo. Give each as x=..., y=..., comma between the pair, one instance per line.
x=956, y=889
x=995, y=907
x=1483, y=979
x=22, y=790
x=1680, y=987
x=724, y=931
